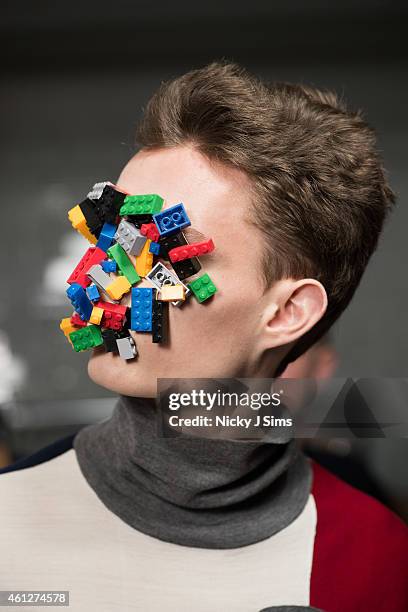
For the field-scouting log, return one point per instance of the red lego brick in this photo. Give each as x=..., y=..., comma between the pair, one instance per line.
x=76, y=320
x=150, y=231
x=110, y=307
x=93, y=256
x=112, y=320
x=194, y=249
x=114, y=315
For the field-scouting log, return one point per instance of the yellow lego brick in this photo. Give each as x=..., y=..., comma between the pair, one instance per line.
x=118, y=288
x=168, y=293
x=144, y=261
x=66, y=327
x=96, y=315
x=78, y=221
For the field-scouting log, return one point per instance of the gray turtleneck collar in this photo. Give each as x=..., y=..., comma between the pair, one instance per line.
x=187, y=490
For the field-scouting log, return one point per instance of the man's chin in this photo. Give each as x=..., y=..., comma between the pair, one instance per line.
x=104, y=369
x=108, y=370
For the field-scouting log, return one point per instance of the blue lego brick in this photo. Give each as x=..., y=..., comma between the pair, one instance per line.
x=80, y=301
x=154, y=248
x=171, y=220
x=93, y=293
x=141, y=309
x=106, y=236
x=109, y=266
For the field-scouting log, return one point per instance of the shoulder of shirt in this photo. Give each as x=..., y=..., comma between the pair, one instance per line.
x=361, y=549
x=41, y=456
x=44, y=486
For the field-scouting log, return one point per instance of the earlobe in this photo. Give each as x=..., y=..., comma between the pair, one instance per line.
x=297, y=307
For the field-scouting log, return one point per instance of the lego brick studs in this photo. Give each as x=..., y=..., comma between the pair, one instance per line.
x=202, y=287
x=171, y=220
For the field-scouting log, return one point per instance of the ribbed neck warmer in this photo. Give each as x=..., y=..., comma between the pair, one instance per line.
x=187, y=490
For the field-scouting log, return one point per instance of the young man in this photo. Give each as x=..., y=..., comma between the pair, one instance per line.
x=290, y=187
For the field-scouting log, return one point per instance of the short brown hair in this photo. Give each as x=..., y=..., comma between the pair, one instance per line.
x=320, y=195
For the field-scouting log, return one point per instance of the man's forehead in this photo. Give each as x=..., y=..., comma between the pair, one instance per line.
x=211, y=194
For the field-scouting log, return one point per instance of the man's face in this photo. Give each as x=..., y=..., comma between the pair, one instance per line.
x=219, y=337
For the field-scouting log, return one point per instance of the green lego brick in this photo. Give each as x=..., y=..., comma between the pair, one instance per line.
x=202, y=287
x=141, y=205
x=124, y=264
x=86, y=338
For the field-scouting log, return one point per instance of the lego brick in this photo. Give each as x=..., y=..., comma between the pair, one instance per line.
x=90, y=213
x=127, y=321
x=78, y=222
x=109, y=266
x=154, y=248
x=150, y=231
x=141, y=309
x=129, y=238
x=202, y=287
x=159, y=275
x=171, y=220
x=110, y=336
x=139, y=220
x=122, y=333
x=99, y=277
x=80, y=301
x=77, y=321
x=127, y=348
x=106, y=236
x=109, y=341
x=191, y=250
x=114, y=315
x=117, y=289
x=109, y=202
x=86, y=338
x=117, y=253
x=93, y=293
x=167, y=243
x=160, y=316
x=109, y=307
x=67, y=327
x=169, y=293
x=96, y=315
x=141, y=204
x=186, y=268
x=93, y=256
x=144, y=261
x=96, y=191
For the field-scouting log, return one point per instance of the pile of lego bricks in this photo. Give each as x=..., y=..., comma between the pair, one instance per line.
x=128, y=232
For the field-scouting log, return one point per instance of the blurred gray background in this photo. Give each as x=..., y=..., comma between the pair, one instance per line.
x=75, y=78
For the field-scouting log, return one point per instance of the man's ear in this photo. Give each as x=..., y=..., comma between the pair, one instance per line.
x=295, y=306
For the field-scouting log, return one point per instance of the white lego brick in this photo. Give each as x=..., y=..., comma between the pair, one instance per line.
x=130, y=238
x=169, y=293
x=99, y=276
x=127, y=348
x=159, y=275
x=97, y=189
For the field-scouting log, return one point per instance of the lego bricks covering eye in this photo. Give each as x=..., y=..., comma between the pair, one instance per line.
x=130, y=235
